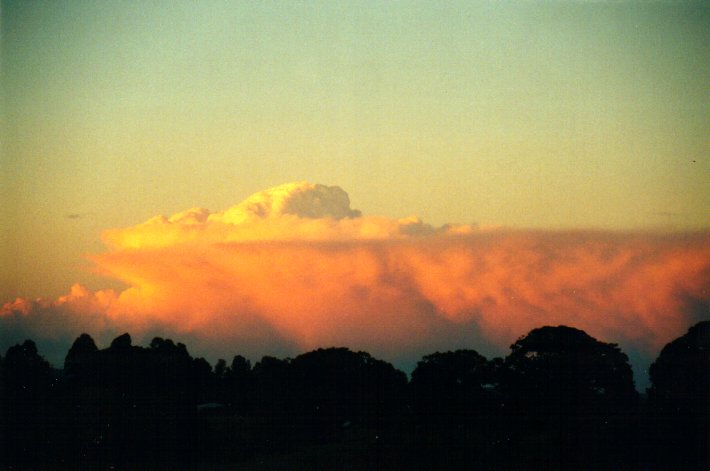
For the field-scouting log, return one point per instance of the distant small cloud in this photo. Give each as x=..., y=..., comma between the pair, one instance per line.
x=77, y=215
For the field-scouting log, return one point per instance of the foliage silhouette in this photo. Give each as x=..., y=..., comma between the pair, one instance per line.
x=81, y=358
x=453, y=395
x=559, y=369
x=334, y=387
x=560, y=400
x=679, y=398
x=571, y=398
x=451, y=384
x=27, y=381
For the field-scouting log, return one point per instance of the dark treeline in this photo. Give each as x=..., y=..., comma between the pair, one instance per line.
x=560, y=400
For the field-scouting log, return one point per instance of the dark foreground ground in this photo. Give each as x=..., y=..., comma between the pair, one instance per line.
x=561, y=400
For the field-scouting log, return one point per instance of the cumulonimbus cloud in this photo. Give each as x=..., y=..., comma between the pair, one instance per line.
x=294, y=267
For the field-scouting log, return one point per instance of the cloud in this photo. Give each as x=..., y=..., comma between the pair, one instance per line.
x=295, y=211
x=294, y=268
x=302, y=199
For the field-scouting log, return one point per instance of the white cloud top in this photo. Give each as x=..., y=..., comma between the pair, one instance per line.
x=302, y=199
x=294, y=211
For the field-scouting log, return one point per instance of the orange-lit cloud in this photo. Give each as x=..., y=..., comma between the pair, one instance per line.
x=295, y=267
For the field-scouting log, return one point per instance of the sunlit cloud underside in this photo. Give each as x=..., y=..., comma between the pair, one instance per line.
x=294, y=268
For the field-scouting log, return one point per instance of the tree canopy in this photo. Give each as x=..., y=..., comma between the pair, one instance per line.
x=560, y=400
x=560, y=368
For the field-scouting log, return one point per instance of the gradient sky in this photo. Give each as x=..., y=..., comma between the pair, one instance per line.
x=526, y=114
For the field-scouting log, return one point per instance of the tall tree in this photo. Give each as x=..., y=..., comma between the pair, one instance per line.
x=573, y=396
x=27, y=380
x=679, y=397
x=81, y=360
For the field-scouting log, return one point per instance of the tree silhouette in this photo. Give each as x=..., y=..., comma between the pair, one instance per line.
x=81, y=359
x=273, y=385
x=337, y=386
x=680, y=376
x=128, y=403
x=571, y=398
x=564, y=369
x=25, y=372
x=560, y=400
x=451, y=384
x=679, y=398
x=453, y=395
x=239, y=385
x=220, y=368
x=27, y=380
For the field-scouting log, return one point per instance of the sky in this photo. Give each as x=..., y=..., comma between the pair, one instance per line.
x=582, y=122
